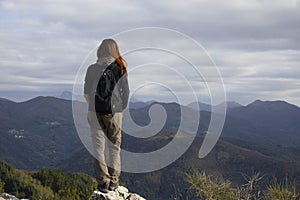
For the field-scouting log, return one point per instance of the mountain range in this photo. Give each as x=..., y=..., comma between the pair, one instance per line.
x=231, y=159
x=262, y=136
x=37, y=133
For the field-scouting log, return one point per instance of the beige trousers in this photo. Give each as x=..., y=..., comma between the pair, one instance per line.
x=106, y=140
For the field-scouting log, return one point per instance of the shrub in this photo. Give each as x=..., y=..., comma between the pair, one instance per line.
x=282, y=191
x=1, y=186
x=250, y=190
x=210, y=188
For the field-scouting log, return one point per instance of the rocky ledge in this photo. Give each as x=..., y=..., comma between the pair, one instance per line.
x=5, y=196
x=121, y=193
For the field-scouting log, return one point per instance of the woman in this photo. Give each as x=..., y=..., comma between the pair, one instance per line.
x=106, y=91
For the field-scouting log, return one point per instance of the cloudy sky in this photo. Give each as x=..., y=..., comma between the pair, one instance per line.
x=254, y=43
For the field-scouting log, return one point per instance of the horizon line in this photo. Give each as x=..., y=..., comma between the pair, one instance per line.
x=148, y=101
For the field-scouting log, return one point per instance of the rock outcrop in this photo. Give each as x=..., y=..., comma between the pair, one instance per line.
x=5, y=196
x=121, y=193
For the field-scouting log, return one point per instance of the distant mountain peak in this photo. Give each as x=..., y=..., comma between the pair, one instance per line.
x=230, y=104
x=277, y=103
x=43, y=98
x=5, y=100
x=67, y=95
x=256, y=102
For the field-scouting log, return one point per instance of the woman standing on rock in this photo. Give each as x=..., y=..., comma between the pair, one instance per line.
x=106, y=91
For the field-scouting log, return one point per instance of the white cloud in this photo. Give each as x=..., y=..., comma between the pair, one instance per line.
x=254, y=42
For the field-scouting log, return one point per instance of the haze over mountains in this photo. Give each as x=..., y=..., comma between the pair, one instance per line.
x=261, y=136
x=44, y=126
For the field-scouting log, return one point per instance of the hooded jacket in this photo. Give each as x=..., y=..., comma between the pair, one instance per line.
x=107, y=88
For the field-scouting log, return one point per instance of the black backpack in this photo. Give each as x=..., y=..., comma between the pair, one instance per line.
x=110, y=95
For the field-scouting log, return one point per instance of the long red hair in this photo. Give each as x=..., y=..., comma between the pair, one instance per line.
x=109, y=47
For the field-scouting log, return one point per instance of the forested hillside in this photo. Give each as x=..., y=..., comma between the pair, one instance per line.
x=45, y=184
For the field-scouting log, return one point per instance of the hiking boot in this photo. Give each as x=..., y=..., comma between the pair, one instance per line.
x=113, y=186
x=103, y=187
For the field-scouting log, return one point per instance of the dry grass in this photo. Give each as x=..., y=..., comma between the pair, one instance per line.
x=210, y=188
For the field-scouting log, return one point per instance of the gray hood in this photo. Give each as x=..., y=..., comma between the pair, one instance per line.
x=107, y=60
